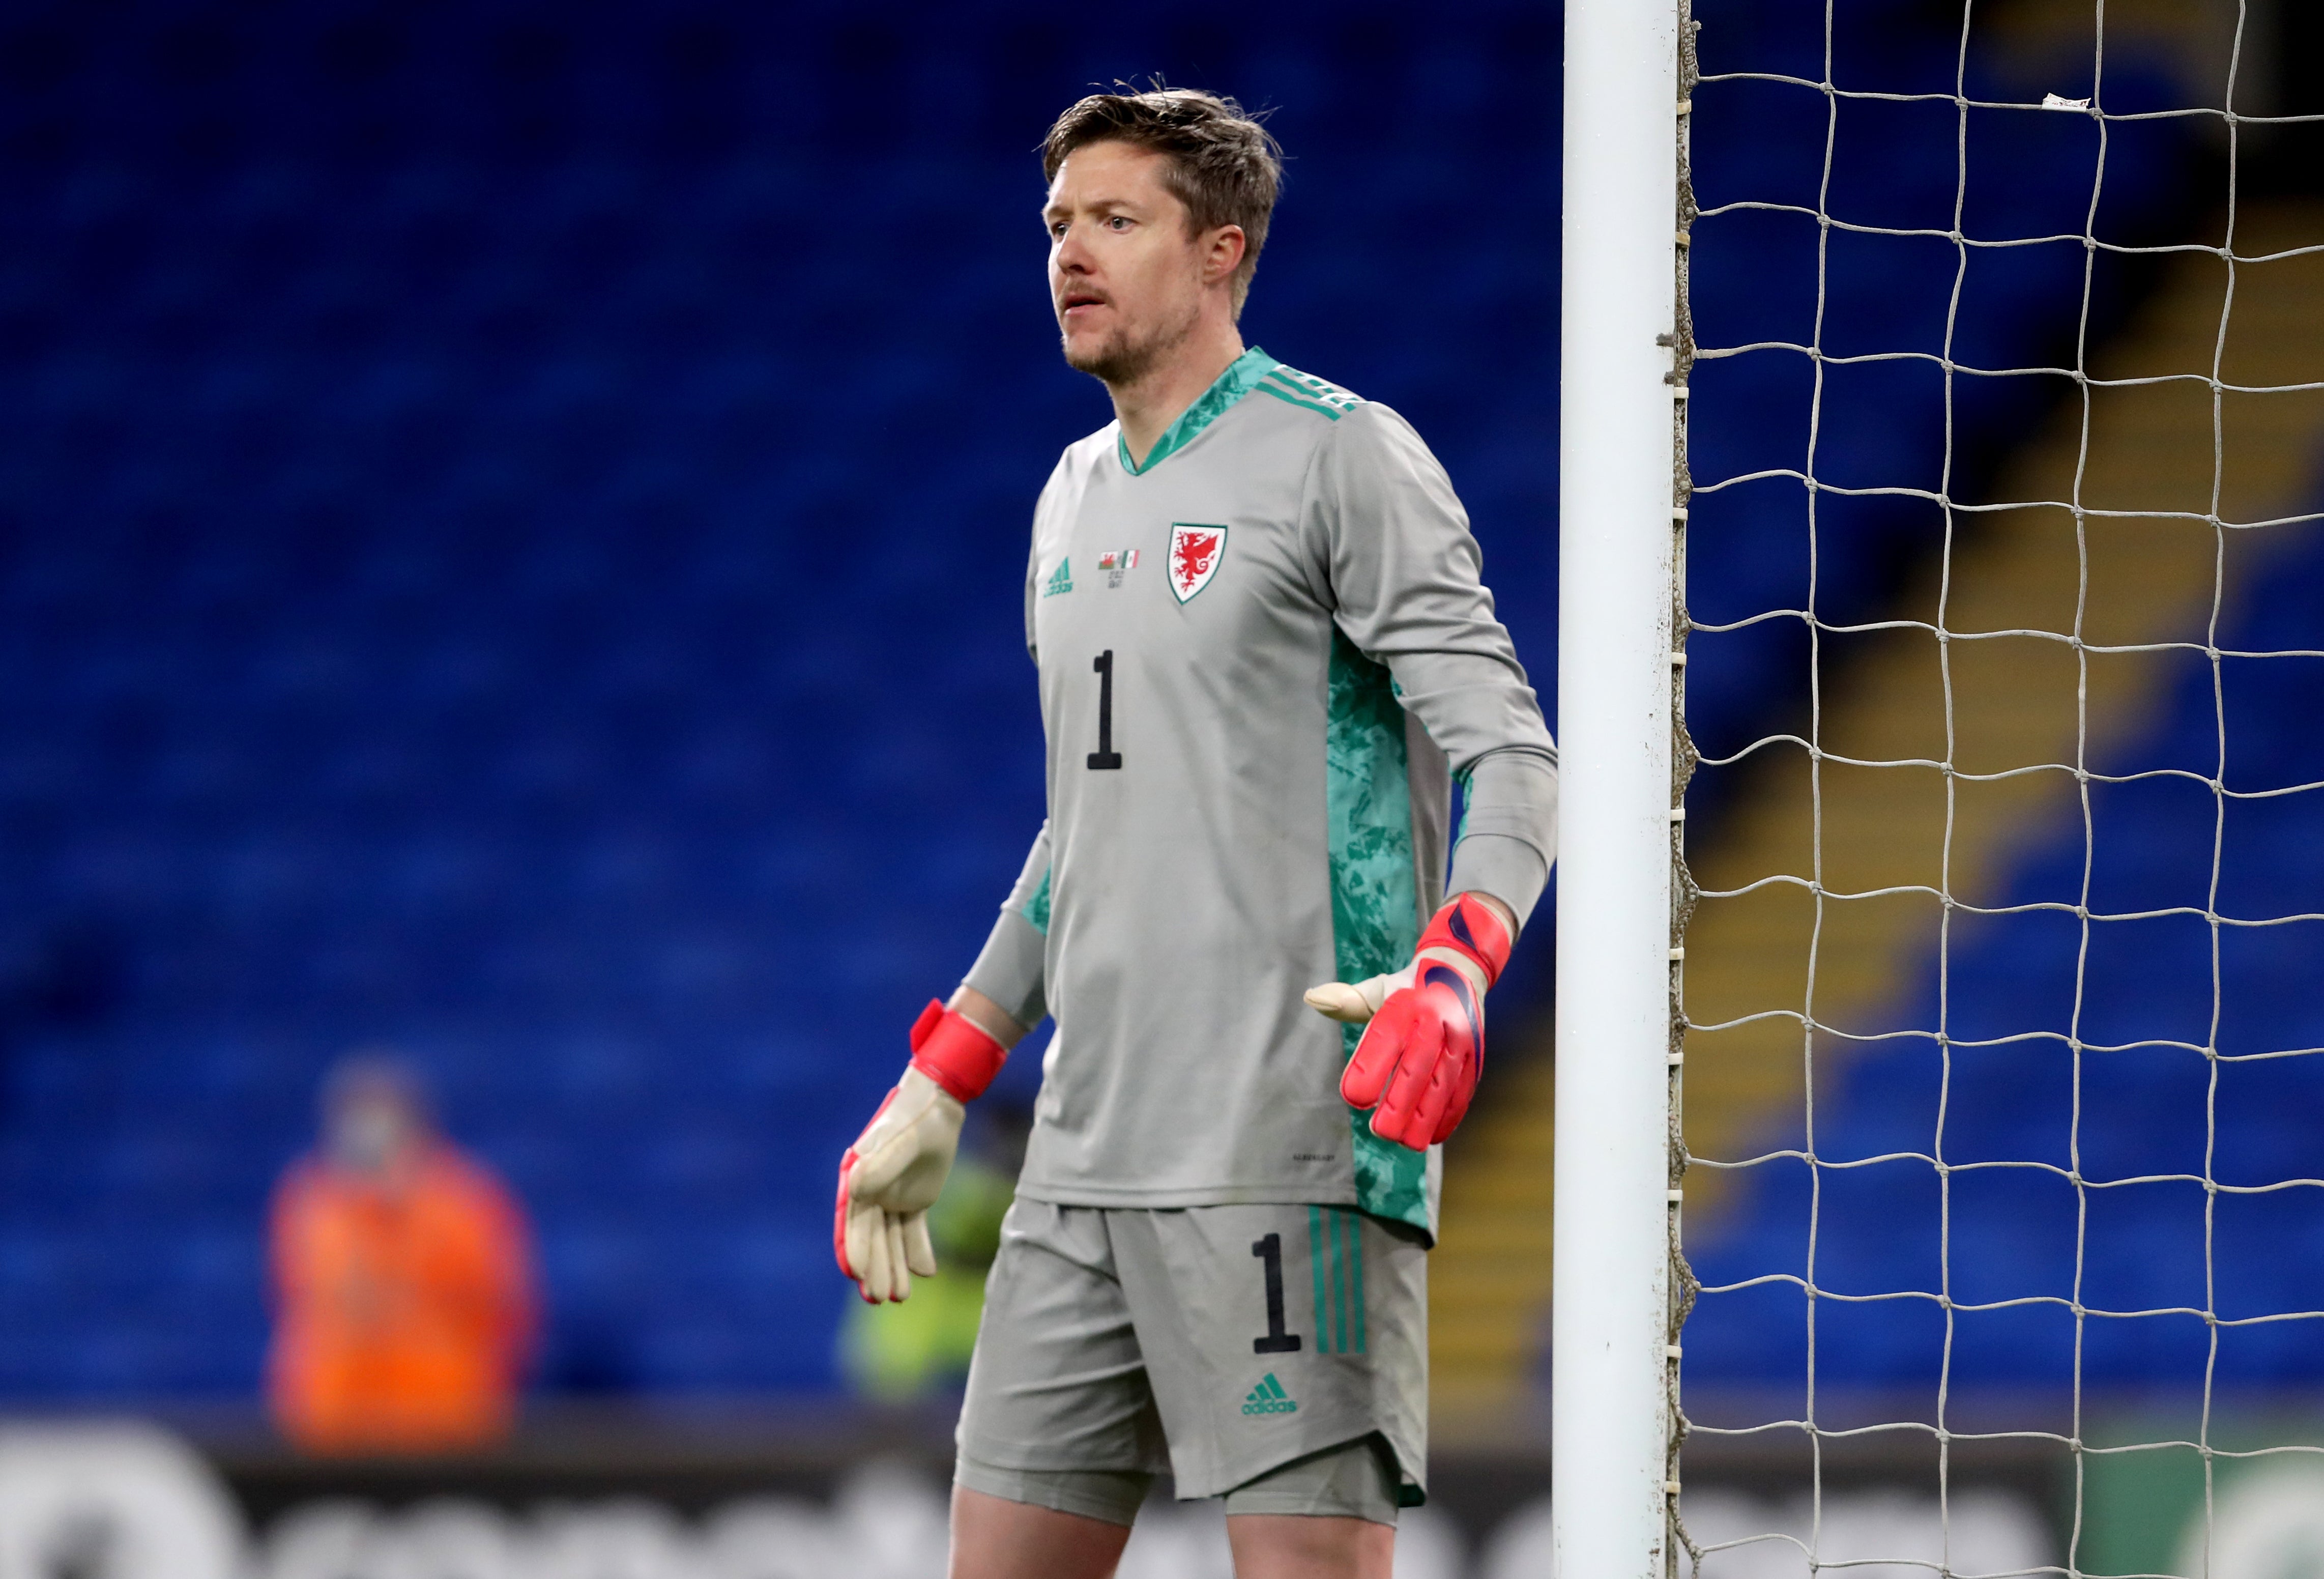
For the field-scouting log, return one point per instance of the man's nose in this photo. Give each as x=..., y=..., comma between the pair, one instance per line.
x=1073, y=253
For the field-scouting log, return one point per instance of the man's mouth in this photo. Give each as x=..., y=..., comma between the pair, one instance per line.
x=1074, y=298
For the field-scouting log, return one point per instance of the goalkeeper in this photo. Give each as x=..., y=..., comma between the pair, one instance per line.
x=1264, y=655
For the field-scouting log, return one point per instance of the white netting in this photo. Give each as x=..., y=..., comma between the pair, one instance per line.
x=1977, y=892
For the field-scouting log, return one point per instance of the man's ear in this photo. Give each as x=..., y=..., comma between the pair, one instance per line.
x=1224, y=257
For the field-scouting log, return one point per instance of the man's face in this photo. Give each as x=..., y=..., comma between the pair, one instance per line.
x=1125, y=276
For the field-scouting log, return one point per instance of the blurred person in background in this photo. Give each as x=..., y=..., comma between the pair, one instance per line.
x=403, y=1283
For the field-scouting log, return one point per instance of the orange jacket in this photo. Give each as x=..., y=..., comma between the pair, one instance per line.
x=404, y=1312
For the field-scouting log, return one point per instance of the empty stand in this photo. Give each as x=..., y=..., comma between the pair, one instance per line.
x=512, y=535
x=2139, y=1108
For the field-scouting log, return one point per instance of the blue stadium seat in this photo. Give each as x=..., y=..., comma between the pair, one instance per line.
x=2146, y=1107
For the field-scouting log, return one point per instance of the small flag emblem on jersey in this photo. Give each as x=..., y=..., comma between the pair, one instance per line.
x=1195, y=553
x=1268, y=1398
x=1126, y=560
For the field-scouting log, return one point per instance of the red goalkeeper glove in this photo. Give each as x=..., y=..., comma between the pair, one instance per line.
x=894, y=1172
x=1424, y=1042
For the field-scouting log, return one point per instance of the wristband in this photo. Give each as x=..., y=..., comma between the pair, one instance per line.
x=1468, y=927
x=955, y=1052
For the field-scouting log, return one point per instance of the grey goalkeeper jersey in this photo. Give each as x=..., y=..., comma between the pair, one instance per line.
x=1264, y=655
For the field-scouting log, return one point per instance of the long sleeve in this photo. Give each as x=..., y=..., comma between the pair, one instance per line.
x=1010, y=969
x=1407, y=589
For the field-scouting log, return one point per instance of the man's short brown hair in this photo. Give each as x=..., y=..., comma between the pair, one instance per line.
x=1219, y=161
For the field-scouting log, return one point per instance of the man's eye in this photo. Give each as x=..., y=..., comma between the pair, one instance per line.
x=1118, y=222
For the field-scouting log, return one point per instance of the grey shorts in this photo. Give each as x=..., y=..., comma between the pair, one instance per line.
x=1217, y=1343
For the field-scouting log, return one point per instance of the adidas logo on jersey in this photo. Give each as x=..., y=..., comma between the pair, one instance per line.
x=1268, y=1398
x=1061, y=579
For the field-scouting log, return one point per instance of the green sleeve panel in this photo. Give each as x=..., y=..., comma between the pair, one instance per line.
x=1036, y=910
x=1375, y=892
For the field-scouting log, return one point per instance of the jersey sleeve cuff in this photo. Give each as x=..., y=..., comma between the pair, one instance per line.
x=1511, y=870
x=1010, y=968
x=1513, y=792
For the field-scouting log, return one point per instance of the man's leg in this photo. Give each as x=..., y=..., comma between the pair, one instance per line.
x=1057, y=1379
x=993, y=1537
x=1292, y=1546
x=1328, y=1516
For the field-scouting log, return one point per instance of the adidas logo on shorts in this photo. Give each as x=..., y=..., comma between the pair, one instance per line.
x=1269, y=1398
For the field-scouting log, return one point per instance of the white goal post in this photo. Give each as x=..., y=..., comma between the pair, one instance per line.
x=2080, y=1159
x=1616, y=1208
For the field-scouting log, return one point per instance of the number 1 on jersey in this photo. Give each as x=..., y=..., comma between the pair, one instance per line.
x=1105, y=756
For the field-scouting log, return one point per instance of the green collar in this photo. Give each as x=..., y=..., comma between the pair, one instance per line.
x=1242, y=374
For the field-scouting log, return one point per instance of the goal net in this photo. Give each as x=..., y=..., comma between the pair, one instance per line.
x=1998, y=1044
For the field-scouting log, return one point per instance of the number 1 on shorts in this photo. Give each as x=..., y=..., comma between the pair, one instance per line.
x=1276, y=1341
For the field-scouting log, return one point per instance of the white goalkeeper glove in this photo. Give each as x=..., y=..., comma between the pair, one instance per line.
x=896, y=1168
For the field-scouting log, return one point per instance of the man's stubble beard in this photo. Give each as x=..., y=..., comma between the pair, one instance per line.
x=1122, y=361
